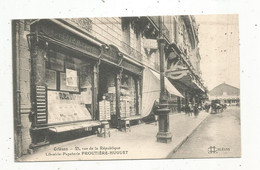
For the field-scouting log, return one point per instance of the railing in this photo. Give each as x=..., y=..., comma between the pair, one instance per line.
x=131, y=51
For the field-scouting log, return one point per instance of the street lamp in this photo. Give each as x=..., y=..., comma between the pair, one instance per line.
x=162, y=110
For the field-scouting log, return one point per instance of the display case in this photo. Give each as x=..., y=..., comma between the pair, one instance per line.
x=128, y=96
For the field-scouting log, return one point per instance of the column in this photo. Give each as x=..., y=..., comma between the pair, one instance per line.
x=118, y=84
x=38, y=52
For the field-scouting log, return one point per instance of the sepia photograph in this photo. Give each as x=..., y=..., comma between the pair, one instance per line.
x=124, y=88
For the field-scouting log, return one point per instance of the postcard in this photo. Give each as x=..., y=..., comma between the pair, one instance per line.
x=121, y=88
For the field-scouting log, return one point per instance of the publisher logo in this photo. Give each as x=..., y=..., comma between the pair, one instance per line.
x=215, y=150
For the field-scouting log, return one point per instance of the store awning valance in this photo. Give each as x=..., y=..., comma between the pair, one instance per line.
x=168, y=85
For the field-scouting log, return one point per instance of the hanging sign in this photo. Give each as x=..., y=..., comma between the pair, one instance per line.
x=150, y=43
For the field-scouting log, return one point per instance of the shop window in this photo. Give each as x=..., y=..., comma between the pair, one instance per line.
x=128, y=96
x=51, y=79
x=69, y=84
x=66, y=73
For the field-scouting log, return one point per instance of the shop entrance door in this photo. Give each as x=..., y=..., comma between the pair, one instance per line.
x=107, y=90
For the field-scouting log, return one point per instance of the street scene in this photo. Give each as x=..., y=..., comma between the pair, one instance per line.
x=119, y=88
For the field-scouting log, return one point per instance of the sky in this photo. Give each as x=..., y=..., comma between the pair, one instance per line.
x=219, y=49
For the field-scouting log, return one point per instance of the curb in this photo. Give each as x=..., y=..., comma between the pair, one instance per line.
x=186, y=138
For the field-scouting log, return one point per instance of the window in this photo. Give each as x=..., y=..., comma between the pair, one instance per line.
x=65, y=73
x=69, y=84
x=128, y=96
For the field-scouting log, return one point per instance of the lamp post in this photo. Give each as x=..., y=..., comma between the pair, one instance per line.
x=162, y=110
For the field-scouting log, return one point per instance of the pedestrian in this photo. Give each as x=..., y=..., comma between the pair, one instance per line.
x=156, y=104
x=196, y=110
x=187, y=110
x=190, y=109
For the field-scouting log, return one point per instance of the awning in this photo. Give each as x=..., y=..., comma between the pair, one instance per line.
x=74, y=126
x=186, y=78
x=151, y=90
x=168, y=85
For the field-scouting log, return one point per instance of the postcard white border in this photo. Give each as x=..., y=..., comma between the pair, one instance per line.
x=249, y=45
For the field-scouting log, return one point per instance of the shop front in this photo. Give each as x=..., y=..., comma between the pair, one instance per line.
x=63, y=83
x=78, y=82
x=119, y=84
x=186, y=83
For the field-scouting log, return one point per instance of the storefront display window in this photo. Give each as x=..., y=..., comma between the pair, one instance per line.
x=51, y=79
x=56, y=61
x=128, y=97
x=69, y=83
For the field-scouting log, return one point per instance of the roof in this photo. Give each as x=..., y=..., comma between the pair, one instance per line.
x=224, y=90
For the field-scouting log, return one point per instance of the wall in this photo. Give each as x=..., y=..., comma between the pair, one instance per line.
x=23, y=80
x=183, y=42
x=109, y=31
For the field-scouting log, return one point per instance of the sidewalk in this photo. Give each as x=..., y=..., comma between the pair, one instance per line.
x=140, y=143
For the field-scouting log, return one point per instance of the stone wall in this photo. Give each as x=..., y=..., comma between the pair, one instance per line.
x=23, y=81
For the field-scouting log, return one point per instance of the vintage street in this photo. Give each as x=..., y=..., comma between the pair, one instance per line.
x=218, y=136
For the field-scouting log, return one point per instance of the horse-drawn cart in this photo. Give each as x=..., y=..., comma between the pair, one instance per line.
x=216, y=107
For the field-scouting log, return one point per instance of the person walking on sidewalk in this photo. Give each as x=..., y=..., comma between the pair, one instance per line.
x=196, y=110
x=188, y=109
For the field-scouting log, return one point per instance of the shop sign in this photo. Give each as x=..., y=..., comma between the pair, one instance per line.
x=111, y=54
x=41, y=109
x=131, y=67
x=68, y=38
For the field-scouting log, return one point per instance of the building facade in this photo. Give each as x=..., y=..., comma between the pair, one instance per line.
x=64, y=70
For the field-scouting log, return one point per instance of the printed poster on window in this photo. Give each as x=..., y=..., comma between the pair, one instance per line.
x=66, y=107
x=71, y=78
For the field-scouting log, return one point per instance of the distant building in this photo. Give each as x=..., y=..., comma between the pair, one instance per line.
x=226, y=93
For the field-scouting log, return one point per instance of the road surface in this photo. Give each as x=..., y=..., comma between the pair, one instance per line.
x=217, y=136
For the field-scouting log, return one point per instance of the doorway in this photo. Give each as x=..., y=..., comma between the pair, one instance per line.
x=107, y=90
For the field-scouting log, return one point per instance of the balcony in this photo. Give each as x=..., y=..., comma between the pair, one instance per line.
x=165, y=30
x=131, y=51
